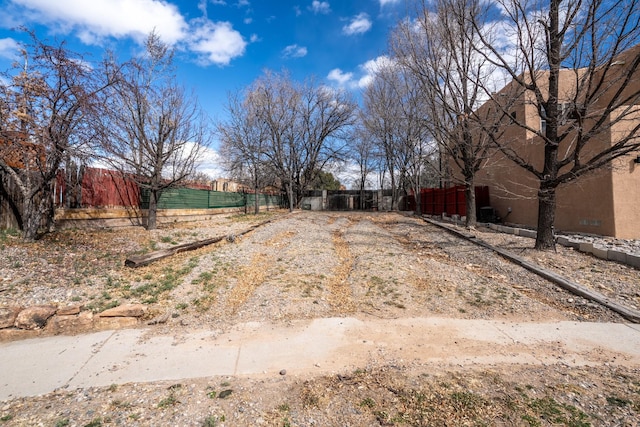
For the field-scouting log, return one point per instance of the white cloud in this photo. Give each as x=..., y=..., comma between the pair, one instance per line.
x=364, y=77
x=386, y=2
x=371, y=67
x=217, y=42
x=294, y=51
x=214, y=42
x=9, y=48
x=337, y=75
x=209, y=162
x=202, y=6
x=320, y=7
x=97, y=19
x=359, y=24
x=254, y=38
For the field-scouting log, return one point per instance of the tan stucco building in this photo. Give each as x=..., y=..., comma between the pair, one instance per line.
x=603, y=202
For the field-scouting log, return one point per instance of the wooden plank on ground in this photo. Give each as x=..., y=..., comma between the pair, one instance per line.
x=146, y=259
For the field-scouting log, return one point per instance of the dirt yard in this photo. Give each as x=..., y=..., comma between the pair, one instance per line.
x=311, y=265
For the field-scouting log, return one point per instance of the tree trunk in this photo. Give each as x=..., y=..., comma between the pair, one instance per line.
x=394, y=193
x=470, y=196
x=256, y=201
x=30, y=220
x=290, y=196
x=152, y=215
x=418, y=197
x=545, y=239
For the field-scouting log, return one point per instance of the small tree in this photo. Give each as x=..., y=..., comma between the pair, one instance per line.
x=325, y=181
x=43, y=122
x=153, y=132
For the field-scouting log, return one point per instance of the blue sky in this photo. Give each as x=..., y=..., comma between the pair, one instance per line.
x=222, y=45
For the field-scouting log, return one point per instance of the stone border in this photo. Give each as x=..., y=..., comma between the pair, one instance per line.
x=596, y=250
x=27, y=322
x=629, y=259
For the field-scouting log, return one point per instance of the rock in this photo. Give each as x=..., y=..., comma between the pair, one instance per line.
x=34, y=317
x=12, y=334
x=8, y=316
x=159, y=319
x=69, y=310
x=125, y=310
x=103, y=323
x=71, y=323
x=283, y=372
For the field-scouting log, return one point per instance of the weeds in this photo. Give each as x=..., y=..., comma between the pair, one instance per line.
x=212, y=420
x=169, y=279
x=556, y=413
x=6, y=234
x=170, y=400
x=101, y=304
x=96, y=422
x=168, y=239
x=368, y=402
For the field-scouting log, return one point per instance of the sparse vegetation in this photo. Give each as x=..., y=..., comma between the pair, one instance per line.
x=291, y=282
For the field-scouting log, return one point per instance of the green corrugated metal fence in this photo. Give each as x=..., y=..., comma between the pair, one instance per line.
x=189, y=198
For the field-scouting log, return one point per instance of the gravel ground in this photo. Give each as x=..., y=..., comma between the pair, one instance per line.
x=308, y=265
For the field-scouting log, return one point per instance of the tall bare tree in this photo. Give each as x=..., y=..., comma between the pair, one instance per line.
x=243, y=147
x=43, y=121
x=395, y=117
x=305, y=124
x=576, y=63
x=153, y=131
x=437, y=49
x=363, y=154
x=379, y=117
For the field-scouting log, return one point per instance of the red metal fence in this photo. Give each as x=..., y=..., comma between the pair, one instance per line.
x=451, y=201
x=97, y=188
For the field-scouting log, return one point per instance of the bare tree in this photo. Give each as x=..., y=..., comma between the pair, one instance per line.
x=305, y=125
x=437, y=49
x=154, y=132
x=395, y=116
x=274, y=100
x=43, y=122
x=363, y=155
x=379, y=116
x=243, y=144
x=575, y=63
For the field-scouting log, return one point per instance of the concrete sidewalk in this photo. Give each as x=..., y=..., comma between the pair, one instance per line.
x=39, y=366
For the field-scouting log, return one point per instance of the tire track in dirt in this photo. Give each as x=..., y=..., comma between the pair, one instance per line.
x=252, y=276
x=340, y=294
